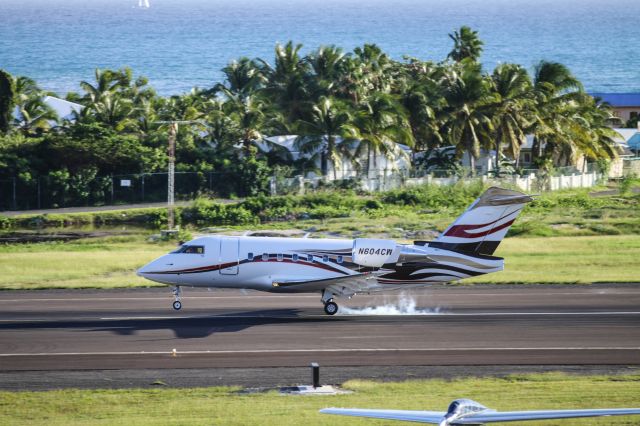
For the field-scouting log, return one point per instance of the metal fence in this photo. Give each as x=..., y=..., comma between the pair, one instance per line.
x=49, y=192
x=74, y=191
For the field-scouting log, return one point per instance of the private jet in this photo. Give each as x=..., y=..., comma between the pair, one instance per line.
x=468, y=412
x=344, y=267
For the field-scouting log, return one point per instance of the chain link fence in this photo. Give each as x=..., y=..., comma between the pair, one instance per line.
x=77, y=191
x=53, y=192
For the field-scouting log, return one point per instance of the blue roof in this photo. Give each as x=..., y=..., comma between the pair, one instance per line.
x=634, y=142
x=619, y=99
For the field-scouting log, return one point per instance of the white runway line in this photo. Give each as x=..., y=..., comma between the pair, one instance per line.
x=594, y=292
x=107, y=299
x=322, y=350
x=362, y=315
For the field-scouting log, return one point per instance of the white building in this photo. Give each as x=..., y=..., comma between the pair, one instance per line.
x=65, y=110
x=380, y=165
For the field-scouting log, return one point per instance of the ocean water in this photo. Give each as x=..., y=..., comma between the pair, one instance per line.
x=180, y=44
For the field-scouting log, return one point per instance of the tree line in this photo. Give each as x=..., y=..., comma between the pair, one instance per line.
x=345, y=104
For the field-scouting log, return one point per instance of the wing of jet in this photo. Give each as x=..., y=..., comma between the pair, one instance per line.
x=347, y=285
x=515, y=416
x=468, y=412
x=433, y=417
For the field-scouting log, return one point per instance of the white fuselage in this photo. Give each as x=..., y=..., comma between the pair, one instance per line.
x=268, y=264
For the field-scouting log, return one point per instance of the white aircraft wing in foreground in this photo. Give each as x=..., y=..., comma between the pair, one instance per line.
x=468, y=412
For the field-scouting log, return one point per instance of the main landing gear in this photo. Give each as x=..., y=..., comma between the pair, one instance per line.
x=177, y=305
x=330, y=307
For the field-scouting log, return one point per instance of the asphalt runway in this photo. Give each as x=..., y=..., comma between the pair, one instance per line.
x=457, y=326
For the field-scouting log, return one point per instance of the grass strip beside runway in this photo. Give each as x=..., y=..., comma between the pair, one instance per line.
x=111, y=262
x=225, y=406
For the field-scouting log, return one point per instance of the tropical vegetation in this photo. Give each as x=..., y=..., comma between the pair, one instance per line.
x=344, y=106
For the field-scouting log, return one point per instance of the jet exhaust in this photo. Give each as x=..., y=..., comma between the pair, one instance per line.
x=404, y=305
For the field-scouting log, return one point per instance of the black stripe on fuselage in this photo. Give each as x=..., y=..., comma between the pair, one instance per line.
x=405, y=271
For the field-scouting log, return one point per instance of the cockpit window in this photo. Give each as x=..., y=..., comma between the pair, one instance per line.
x=188, y=249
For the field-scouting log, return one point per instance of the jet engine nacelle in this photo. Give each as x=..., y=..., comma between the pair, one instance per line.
x=372, y=253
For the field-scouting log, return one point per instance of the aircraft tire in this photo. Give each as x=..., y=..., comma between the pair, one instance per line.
x=177, y=305
x=330, y=308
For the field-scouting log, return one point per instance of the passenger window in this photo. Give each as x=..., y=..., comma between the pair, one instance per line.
x=280, y=257
x=340, y=259
x=250, y=256
x=295, y=257
x=265, y=256
x=325, y=258
x=310, y=257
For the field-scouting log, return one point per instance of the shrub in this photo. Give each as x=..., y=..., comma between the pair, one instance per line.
x=373, y=205
x=208, y=212
x=326, y=212
x=5, y=222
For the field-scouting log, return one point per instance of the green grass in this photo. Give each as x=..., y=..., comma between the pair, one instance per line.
x=224, y=406
x=563, y=237
x=92, y=263
x=561, y=213
x=568, y=260
x=111, y=262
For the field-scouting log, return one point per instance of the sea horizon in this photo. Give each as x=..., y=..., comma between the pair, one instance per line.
x=179, y=45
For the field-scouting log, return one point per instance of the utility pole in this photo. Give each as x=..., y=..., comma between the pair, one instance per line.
x=171, y=186
x=171, y=176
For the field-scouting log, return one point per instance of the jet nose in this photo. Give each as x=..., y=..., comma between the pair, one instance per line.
x=141, y=272
x=147, y=269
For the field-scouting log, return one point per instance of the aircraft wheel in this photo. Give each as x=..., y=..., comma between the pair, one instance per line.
x=330, y=308
x=177, y=305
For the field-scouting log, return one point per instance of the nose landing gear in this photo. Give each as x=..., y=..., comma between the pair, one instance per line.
x=330, y=307
x=177, y=305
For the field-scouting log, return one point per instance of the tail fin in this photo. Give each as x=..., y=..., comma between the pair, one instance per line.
x=484, y=224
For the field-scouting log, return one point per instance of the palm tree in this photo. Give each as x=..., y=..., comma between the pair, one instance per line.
x=421, y=94
x=146, y=118
x=286, y=85
x=327, y=123
x=106, y=81
x=247, y=113
x=586, y=126
x=25, y=89
x=512, y=105
x=34, y=116
x=466, y=45
x=468, y=121
x=32, y=113
x=243, y=77
x=113, y=111
x=557, y=92
x=327, y=64
x=379, y=125
x=220, y=126
x=7, y=96
x=375, y=75
x=602, y=141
